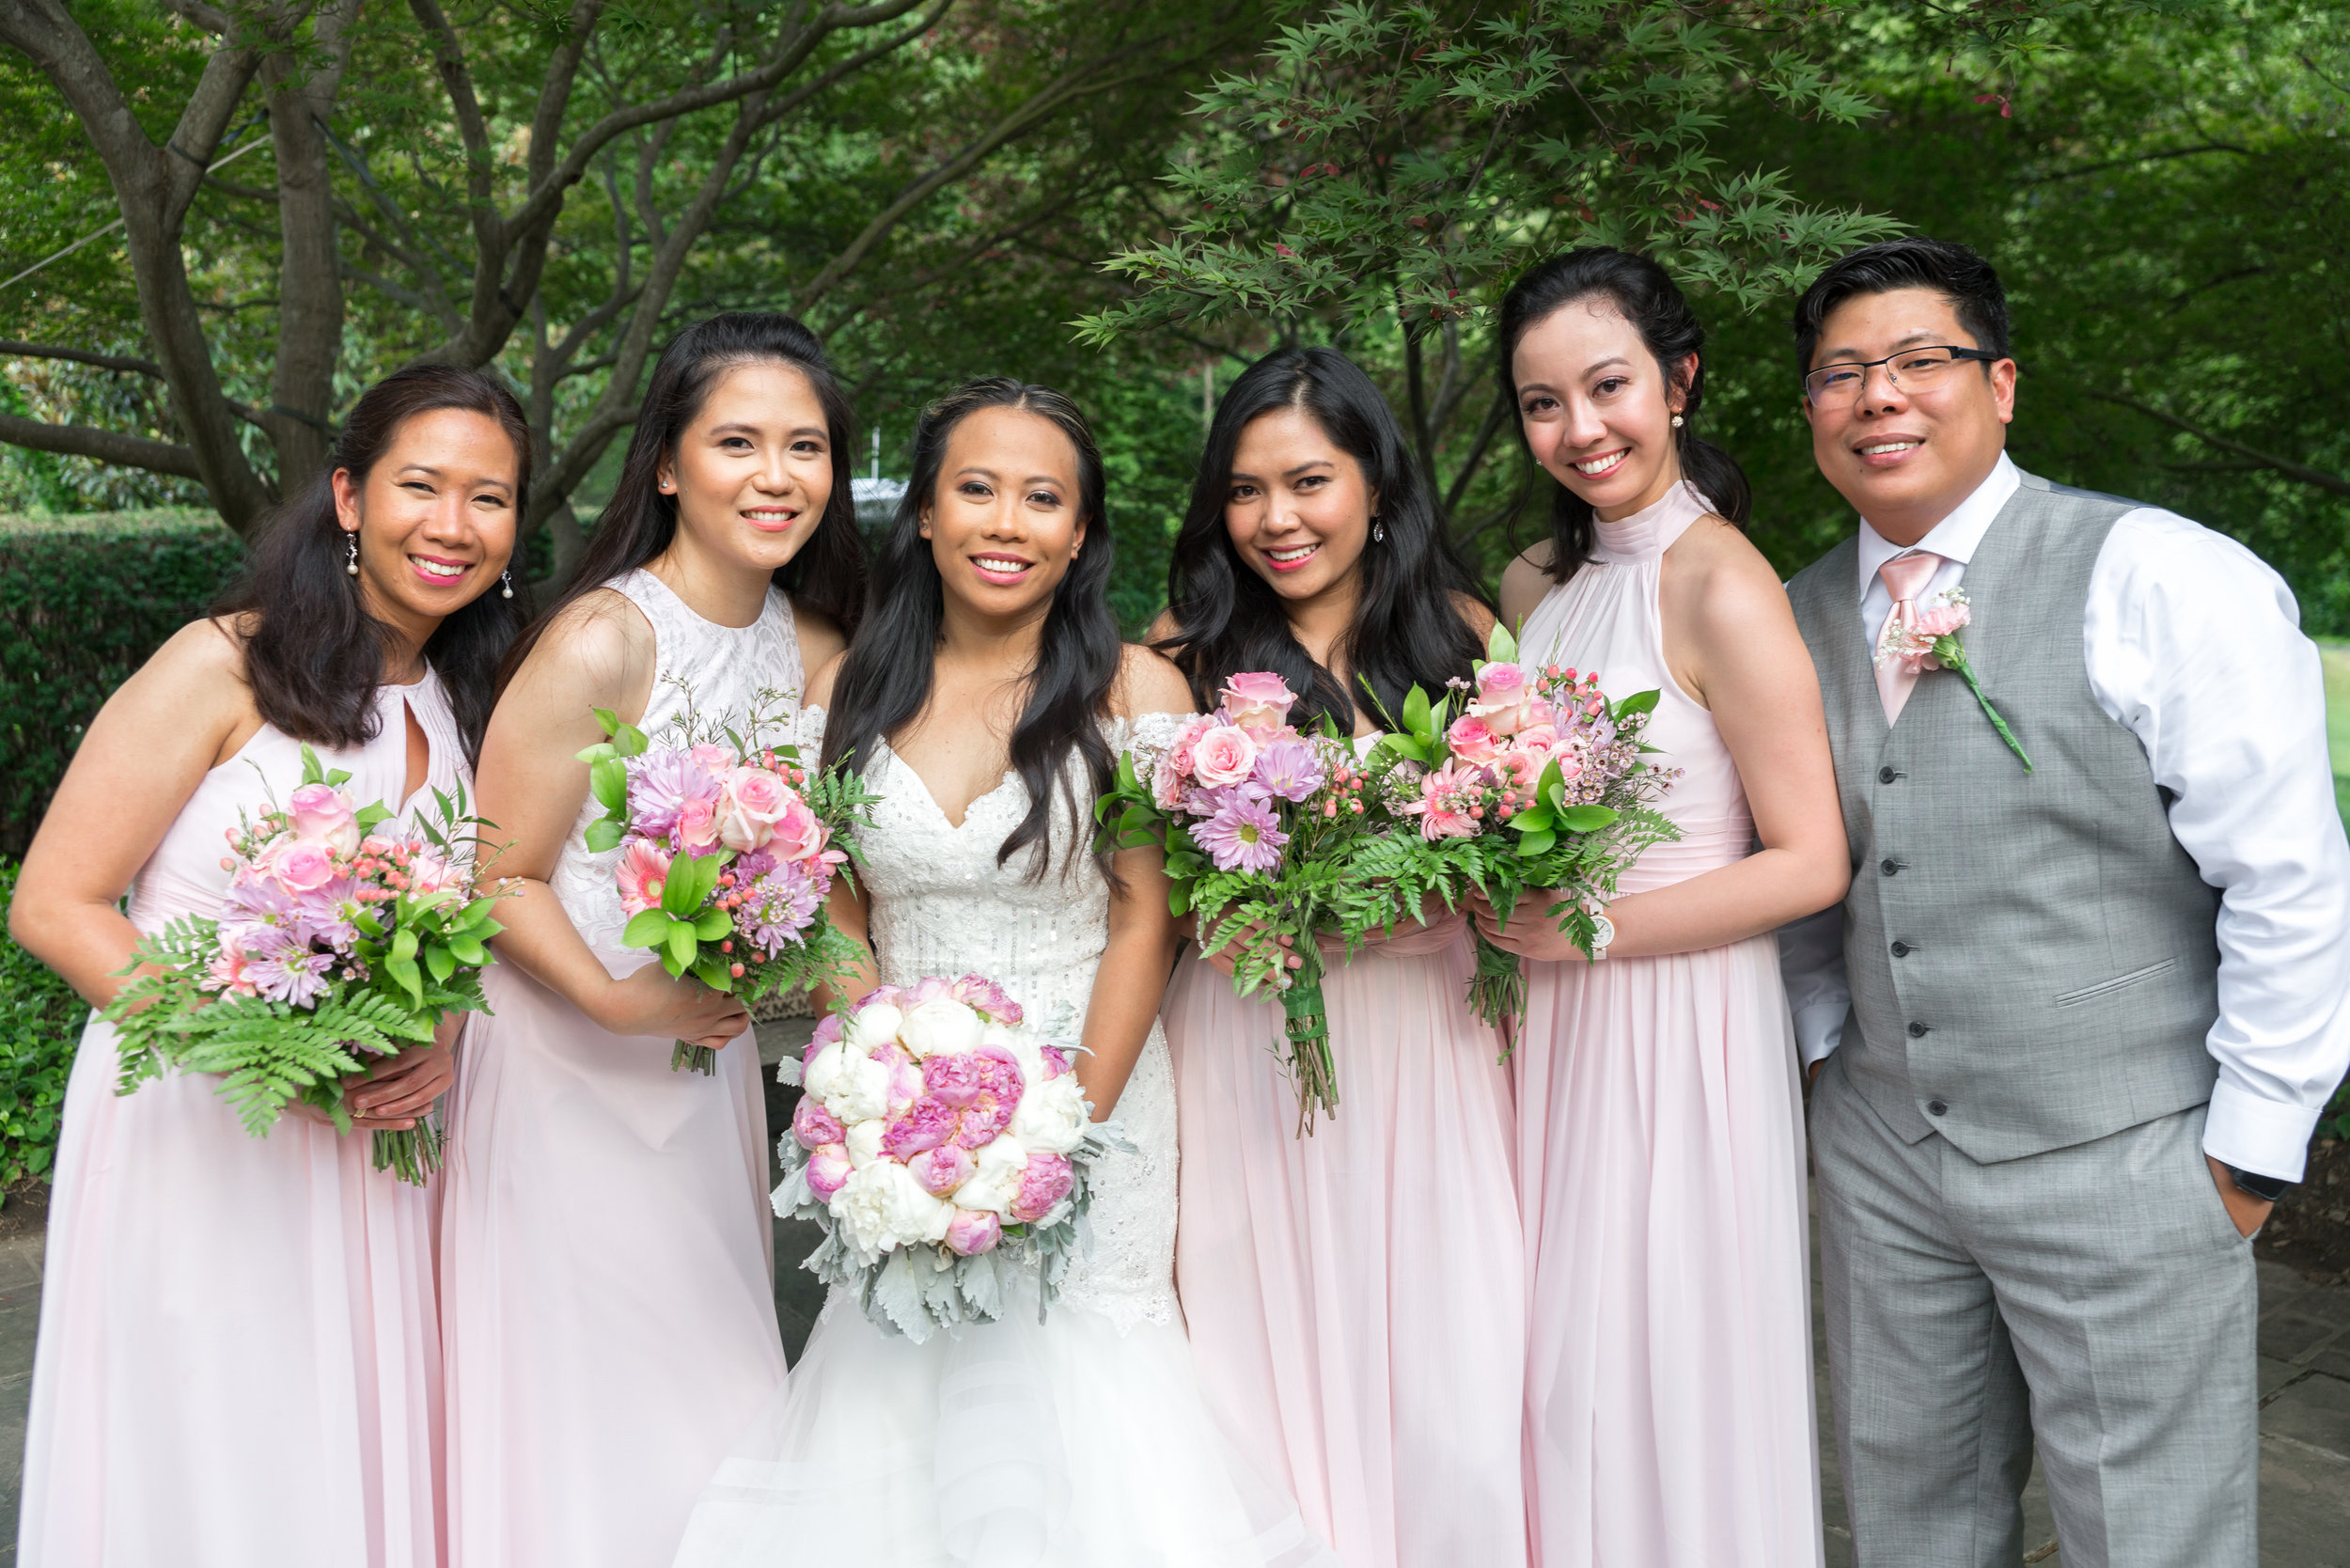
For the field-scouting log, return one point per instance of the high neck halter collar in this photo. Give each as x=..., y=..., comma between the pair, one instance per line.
x=1651, y=531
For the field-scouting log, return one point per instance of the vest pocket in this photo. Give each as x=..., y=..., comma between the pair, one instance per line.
x=2091, y=993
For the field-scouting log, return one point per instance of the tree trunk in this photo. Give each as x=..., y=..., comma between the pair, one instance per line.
x=300, y=419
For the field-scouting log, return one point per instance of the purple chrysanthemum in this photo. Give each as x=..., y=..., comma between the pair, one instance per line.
x=1244, y=836
x=1288, y=769
x=660, y=785
x=299, y=977
x=779, y=907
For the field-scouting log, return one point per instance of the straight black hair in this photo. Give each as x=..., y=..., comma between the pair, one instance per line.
x=886, y=680
x=1407, y=628
x=1956, y=272
x=825, y=574
x=1646, y=296
x=313, y=655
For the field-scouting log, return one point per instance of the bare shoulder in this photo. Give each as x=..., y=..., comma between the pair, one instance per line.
x=1163, y=626
x=200, y=667
x=821, y=639
x=1729, y=583
x=820, y=686
x=1148, y=683
x=1524, y=582
x=599, y=646
x=1474, y=612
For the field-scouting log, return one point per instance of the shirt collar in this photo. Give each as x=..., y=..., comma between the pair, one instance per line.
x=1956, y=537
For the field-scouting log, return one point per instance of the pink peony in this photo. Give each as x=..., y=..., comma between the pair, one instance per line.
x=981, y=994
x=644, y=871
x=799, y=832
x=1056, y=1061
x=1224, y=755
x=953, y=1079
x=999, y=1073
x=746, y=814
x=1048, y=1180
x=942, y=1170
x=1473, y=739
x=698, y=826
x=323, y=814
x=924, y=1125
x=973, y=1231
x=814, y=1126
x=827, y=1168
x=302, y=866
x=828, y=1029
x=983, y=1122
x=1259, y=701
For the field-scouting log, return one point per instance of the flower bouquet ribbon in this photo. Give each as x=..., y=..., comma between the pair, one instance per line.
x=337, y=946
x=1537, y=783
x=945, y=1147
x=729, y=846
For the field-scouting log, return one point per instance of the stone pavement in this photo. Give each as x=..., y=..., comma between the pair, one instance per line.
x=2305, y=1398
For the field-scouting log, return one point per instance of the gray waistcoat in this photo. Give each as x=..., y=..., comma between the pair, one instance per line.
x=2033, y=956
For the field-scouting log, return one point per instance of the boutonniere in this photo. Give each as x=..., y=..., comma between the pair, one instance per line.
x=1931, y=642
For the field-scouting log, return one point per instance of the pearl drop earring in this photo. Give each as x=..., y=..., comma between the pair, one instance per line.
x=351, y=561
x=505, y=584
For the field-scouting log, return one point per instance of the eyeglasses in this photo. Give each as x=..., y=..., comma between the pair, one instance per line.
x=1911, y=371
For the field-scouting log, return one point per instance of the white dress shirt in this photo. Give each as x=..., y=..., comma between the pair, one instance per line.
x=2193, y=644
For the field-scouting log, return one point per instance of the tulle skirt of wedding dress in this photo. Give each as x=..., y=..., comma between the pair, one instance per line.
x=1070, y=1444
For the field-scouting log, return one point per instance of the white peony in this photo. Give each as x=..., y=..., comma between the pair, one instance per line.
x=860, y=1090
x=864, y=1143
x=1052, y=1116
x=940, y=1026
x=875, y=1026
x=821, y=1075
x=1024, y=1050
x=996, y=1180
x=883, y=1207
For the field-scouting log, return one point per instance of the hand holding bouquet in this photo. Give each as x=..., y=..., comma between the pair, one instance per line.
x=728, y=852
x=942, y=1146
x=336, y=946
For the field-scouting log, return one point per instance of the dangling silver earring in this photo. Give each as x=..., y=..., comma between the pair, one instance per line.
x=1378, y=532
x=351, y=561
x=505, y=584
x=1676, y=421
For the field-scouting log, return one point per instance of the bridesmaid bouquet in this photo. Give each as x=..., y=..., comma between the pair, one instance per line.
x=728, y=852
x=1538, y=782
x=942, y=1147
x=336, y=946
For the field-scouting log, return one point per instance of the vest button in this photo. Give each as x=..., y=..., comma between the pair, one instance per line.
x=1936, y=1107
x=1901, y=950
x=1888, y=866
x=1886, y=776
x=1917, y=1031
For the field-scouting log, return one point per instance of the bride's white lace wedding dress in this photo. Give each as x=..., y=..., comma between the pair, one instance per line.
x=1082, y=1442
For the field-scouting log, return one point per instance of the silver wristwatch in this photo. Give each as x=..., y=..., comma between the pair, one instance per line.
x=1603, y=933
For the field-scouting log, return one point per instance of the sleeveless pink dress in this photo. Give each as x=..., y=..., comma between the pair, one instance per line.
x=1356, y=1297
x=239, y=1364
x=608, y=1297
x=1668, y=1413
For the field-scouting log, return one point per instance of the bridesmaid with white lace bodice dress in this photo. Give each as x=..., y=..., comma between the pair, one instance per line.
x=609, y=1309
x=1669, y=1419
x=986, y=694
x=1354, y=1295
x=239, y=1361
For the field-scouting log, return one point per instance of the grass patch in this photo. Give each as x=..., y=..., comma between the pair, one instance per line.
x=2336, y=658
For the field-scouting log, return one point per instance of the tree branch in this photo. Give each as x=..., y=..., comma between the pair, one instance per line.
x=2332, y=483
x=12, y=349
x=126, y=451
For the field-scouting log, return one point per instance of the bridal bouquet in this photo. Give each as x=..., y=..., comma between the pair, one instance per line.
x=335, y=944
x=728, y=849
x=1537, y=783
x=943, y=1146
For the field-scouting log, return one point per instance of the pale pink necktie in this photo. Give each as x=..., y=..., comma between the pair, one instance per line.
x=1906, y=577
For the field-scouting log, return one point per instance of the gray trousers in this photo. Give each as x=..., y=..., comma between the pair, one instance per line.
x=2096, y=1301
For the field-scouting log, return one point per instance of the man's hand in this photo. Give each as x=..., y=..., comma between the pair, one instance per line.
x=2249, y=1213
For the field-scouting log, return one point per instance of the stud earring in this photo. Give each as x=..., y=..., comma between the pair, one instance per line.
x=1676, y=421
x=505, y=584
x=350, y=560
x=668, y=485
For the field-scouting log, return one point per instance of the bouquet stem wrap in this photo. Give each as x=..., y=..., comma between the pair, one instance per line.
x=1306, y=1034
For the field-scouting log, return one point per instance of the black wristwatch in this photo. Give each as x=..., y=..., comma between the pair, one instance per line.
x=2266, y=1189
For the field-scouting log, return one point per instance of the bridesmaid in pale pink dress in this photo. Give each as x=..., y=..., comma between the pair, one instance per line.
x=1669, y=1419
x=239, y=1364
x=1355, y=1297
x=606, y=1244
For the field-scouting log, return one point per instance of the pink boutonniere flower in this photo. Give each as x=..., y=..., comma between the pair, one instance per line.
x=1931, y=642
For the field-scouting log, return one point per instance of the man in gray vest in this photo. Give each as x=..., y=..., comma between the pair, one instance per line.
x=2073, y=1026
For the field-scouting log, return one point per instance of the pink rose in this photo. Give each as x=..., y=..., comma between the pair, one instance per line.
x=698, y=825
x=1503, y=698
x=1539, y=738
x=1473, y=739
x=747, y=809
x=1167, y=783
x=1259, y=702
x=644, y=871
x=323, y=813
x=973, y=1231
x=716, y=761
x=924, y=1125
x=433, y=874
x=1224, y=755
x=814, y=1126
x=1044, y=1184
x=799, y=832
x=302, y=866
x=827, y=1168
x=942, y=1170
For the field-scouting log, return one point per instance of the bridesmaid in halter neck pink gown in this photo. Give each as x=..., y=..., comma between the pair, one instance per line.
x=1668, y=1413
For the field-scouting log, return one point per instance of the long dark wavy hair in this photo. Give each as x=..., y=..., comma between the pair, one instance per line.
x=1653, y=304
x=886, y=681
x=826, y=574
x=1407, y=628
x=313, y=655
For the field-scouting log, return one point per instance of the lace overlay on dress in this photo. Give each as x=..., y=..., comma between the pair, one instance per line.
x=941, y=905
x=723, y=670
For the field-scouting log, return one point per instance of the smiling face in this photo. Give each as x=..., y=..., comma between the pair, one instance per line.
x=1004, y=521
x=1905, y=460
x=1597, y=408
x=434, y=518
x=1298, y=507
x=752, y=472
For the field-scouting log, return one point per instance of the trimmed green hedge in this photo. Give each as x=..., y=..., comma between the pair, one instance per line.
x=40, y=1024
x=83, y=602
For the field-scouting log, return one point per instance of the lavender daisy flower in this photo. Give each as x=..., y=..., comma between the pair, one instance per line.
x=659, y=787
x=779, y=907
x=1244, y=835
x=299, y=977
x=1288, y=769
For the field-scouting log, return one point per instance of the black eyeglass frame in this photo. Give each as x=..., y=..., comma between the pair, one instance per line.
x=1980, y=356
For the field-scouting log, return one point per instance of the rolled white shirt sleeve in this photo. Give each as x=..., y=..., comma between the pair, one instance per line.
x=2194, y=645
x=1819, y=990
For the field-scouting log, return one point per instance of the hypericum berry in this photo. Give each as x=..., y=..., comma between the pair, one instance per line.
x=735, y=969
x=1477, y=813
x=1357, y=806
x=726, y=946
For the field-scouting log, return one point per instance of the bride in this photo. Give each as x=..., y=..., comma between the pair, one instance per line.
x=985, y=698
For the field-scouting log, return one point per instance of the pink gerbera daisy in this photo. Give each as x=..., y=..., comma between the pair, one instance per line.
x=1244, y=835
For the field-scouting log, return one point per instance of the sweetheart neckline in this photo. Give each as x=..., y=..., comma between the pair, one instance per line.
x=1012, y=777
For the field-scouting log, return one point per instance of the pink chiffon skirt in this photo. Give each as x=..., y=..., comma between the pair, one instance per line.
x=1668, y=1413
x=608, y=1299
x=238, y=1364
x=1356, y=1297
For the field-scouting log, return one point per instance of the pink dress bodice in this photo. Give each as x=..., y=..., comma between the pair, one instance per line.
x=1606, y=619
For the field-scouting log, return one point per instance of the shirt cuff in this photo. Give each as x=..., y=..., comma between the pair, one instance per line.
x=1819, y=1029
x=2263, y=1137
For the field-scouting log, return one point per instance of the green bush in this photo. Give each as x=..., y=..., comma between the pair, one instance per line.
x=40, y=1024
x=83, y=602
